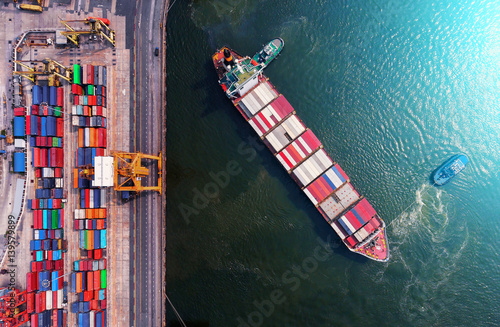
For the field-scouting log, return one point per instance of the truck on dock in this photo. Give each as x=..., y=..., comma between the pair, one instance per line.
x=25, y=6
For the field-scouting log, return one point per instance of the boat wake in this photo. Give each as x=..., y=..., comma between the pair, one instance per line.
x=427, y=244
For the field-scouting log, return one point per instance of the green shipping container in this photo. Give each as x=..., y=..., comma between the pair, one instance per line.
x=104, y=279
x=55, y=219
x=90, y=89
x=77, y=77
x=55, y=141
x=57, y=111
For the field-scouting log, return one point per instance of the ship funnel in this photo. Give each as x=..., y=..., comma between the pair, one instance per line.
x=228, y=57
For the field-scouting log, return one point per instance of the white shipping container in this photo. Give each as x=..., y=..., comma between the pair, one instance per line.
x=73, y=110
x=103, y=197
x=87, y=137
x=91, y=199
x=92, y=318
x=37, y=234
x=338, y=230
x=75, y=121
x=348, y=224
x=59, y=182
x=60, y=296
x=48, y=300
x=47, y=172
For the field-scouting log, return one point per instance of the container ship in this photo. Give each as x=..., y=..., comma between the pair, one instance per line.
x=299, y=151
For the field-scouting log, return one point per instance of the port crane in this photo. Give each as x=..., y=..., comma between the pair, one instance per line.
x=96, y=26
x=48, y=67
x=13, y=307
x=128, y=171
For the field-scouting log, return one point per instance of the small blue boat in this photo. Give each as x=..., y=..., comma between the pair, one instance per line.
x=450, y=168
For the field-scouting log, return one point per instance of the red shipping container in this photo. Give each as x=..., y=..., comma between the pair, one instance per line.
x=98, y=111
x=19, y=111
x=34, y=319
x=104, y=102
x=94, y=304
x=90, y=74
x=54, y=301
x=76, y=224
x=28, y=125
x=39, y=126
x=39, y=266
x=103, y=304
x=36, y=157
x=90, y=281
x=49, y=264
x=60, y=96
x=58, y=265
x=38, y=302
x=44, y=157
x=34, y=109
x=30, y=302
x=88, y=295
x=97, y=280
x=33, y=266
x=38, y=173
x=87, y=198
x=60, y=127
x=90, y=254
x=60, y=280
x=35, y=219
x=86, y=111
x=98, y=254
x=58, y=173
x=76, y=100
x=31, y=282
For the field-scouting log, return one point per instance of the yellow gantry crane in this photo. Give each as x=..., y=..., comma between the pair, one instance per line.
x=128, y=168
x=52, y=68
x=98, y=26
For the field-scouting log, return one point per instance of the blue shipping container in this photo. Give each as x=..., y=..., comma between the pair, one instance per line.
x=19, y=161
x=34, y=126
x=45, y=94
x=36, y=94
x=97, y=198
x=51, y=126
x=97, y=239
x=73, y=283
x=19, y=126
x=43, y=123
x=103, y=238
x=58, y=193
x=53, y=96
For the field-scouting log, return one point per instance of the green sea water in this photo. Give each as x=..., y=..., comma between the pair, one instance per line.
x=392, y=89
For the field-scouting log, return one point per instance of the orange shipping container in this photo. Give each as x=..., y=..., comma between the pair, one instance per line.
x=90, y=239
x=80, y=138
x=75, y=178
x=79, y=282
x=102, y=213
x=92, y=137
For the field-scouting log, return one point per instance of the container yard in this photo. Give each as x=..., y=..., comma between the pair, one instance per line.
x=64, y=113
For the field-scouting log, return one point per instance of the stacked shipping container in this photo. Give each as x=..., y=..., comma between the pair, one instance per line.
x=302, y=155
x=45, y=282
x=89, y=279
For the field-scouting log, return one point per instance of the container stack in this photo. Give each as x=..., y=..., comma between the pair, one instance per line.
x=45, y=282
x=89, y=281
x=302, y=155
